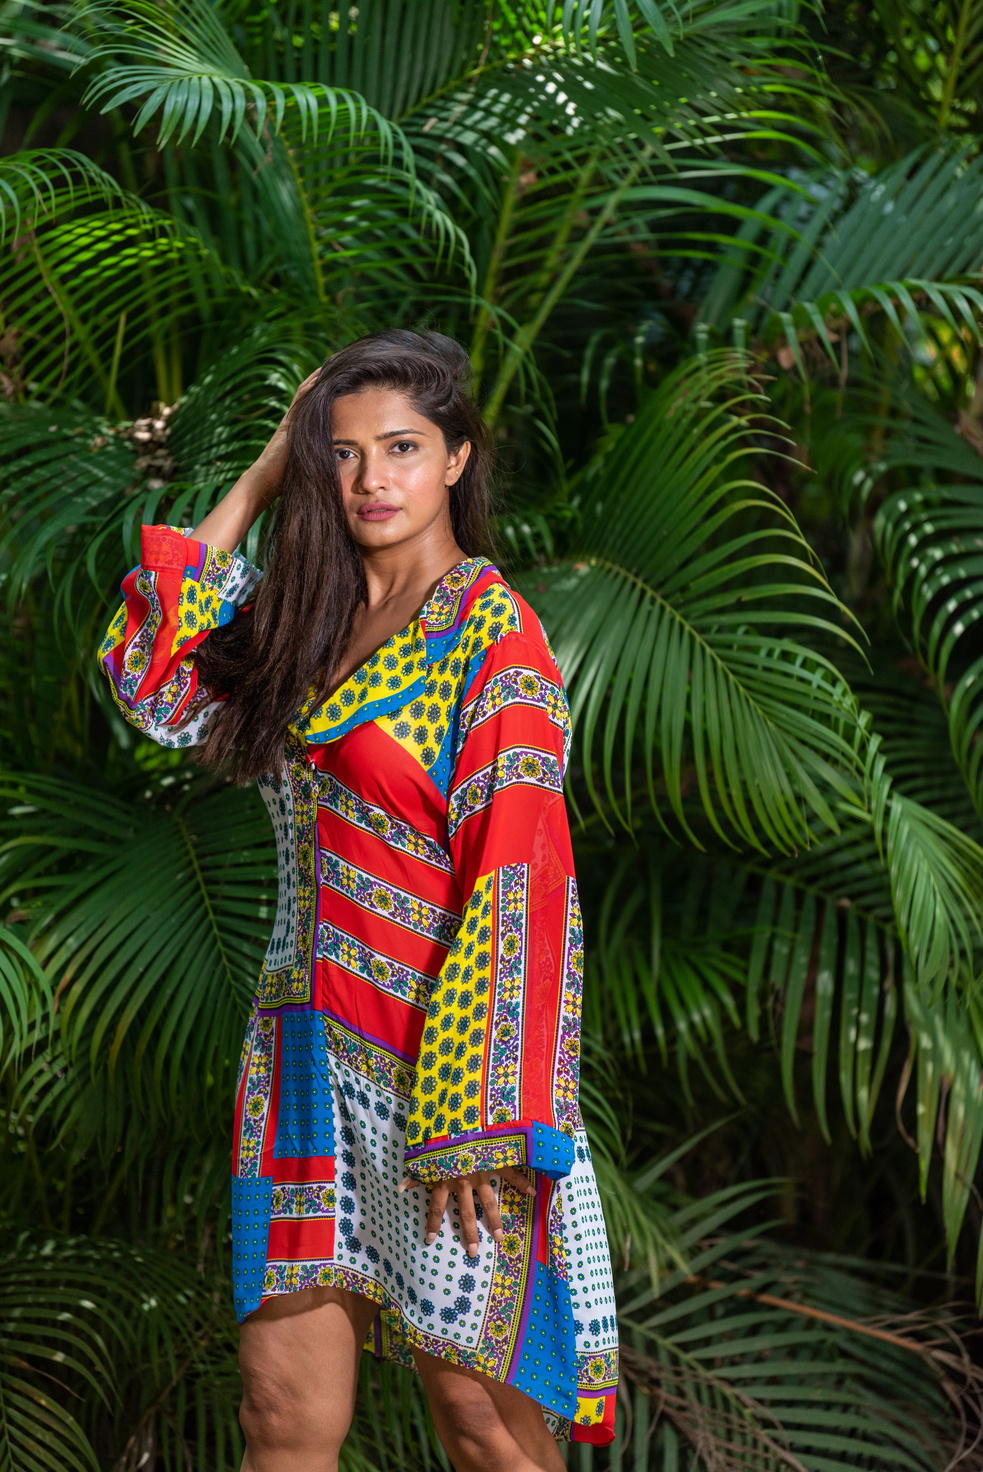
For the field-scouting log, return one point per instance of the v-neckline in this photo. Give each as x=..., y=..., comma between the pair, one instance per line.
x=419, y=618
x=388, y=677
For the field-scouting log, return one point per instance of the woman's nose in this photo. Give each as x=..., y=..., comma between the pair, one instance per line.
x=375, y=475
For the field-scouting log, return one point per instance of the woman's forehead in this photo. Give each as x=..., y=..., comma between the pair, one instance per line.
x=374, y=412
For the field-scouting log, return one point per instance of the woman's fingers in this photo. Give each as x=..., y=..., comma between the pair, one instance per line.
x=306, y=386
x=464, y=1191
x=489, y=1205
x=465, y=1188
x=516, y=1178
x=438, y=1204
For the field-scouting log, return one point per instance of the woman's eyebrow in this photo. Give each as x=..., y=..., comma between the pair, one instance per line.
x=389, y=434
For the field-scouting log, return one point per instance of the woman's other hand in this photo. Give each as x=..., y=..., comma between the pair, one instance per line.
x=255, y=489
x=466, y=1188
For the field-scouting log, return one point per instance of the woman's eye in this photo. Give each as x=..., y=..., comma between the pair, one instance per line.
x=404, y=445
x=342, y=453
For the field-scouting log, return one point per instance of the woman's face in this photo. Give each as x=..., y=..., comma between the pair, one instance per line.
x=394, y=468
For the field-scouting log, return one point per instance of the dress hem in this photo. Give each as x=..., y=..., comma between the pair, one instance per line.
x=334, y=1275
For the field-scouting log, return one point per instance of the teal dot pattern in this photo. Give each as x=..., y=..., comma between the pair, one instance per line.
x=579, y=1238
x=387, y=1227
x=548, y=1346
x=277, y=793
x=305, y=1125
x=552, y=1151
x=252, y=1201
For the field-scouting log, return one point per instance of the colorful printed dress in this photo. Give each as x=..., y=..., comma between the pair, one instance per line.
x=419, y=1006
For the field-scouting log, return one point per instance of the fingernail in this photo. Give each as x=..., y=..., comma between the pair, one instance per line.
x=404, y=1185
x=431, y=1237
x=498, y=1234
x=472, y=1249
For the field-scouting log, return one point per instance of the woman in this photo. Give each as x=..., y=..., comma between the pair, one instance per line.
x=409, y=1161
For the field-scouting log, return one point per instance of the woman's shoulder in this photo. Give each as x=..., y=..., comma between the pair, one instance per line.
x=498, y=616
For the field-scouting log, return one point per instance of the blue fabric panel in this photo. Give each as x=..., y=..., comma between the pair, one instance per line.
x=443, y=768
x=552, y=1152
x=252, y=1199
x=305, y=1124
x=546, y=1365
x=370, y=710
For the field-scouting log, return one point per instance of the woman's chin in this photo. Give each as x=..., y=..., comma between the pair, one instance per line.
x=390, y=533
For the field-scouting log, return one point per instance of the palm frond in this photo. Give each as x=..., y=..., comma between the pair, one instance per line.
x=154, y=973
x=688, y=952
x=927, y=533
x=437, y=41
x=184, y=65
x=929, y=539
x=43, y=182
x=88, y=288
x=25, y=996
x=55, y=1327
x=677, y=638
x=145, y=1345
x=769, y=1359
x=889, y=244
x=64, y=468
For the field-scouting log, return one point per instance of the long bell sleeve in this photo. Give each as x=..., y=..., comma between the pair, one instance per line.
x=498, y=1070
x=181, y=590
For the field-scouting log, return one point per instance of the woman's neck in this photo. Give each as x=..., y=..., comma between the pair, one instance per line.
x=399, y=581
x=407, y=572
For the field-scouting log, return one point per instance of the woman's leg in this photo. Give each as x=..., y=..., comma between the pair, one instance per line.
x=485, y=1426
x=299, y=1359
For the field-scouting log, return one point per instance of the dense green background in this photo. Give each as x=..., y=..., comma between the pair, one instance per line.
x=718, y=269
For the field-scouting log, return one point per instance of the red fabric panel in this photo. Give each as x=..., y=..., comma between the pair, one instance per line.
x=295, y=1241
x=369, y=1010
x=292, y=1168
x=369, y=762
x=166, y=553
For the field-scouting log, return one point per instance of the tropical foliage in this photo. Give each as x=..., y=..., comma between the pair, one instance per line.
x=718, y=269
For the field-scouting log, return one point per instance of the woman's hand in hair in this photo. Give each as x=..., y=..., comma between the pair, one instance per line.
x=256, y=488
x=466, y=1188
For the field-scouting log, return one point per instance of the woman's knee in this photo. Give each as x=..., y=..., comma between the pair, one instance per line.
x=278, y=1415
x=482, y=1433
x=476, y=1435
x=286, y=1407
x=468, y=1417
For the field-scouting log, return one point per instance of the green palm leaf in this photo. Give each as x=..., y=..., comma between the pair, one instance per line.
x=25, y=996
x=42, y=182
x=895, y=247
x=928, y=536
x=186, y=67
x=152, y=917
x=685, y=952
x=675, y=628
x=436, y=41
x=54, y=1326
x=86, y=289
x=771, y=1360
x=144, y=1348
x=930, y=541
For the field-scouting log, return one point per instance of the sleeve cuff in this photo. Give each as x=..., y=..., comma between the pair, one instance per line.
x=225, y=574
x=539, y=1146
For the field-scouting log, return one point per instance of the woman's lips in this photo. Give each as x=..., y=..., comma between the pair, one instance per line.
x=379, y=512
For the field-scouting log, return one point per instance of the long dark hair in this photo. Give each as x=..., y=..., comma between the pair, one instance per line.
x=296, y=633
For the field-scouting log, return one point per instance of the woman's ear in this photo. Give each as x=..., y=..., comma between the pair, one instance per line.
x=456, y=462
